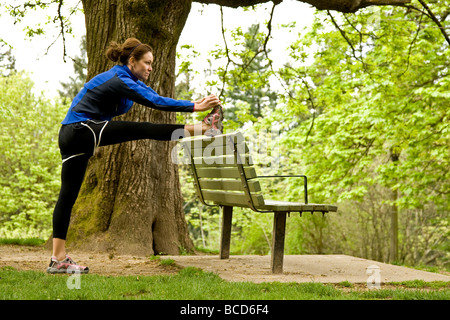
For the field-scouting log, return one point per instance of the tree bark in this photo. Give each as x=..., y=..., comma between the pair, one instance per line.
x=393, y=250
x=131, y=199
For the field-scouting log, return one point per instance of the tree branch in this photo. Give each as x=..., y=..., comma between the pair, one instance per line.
x=338, y=5
x=245, y=65
x=438, y=23
x=344, y=35
x=351, y=6
x=61, y=23
x=18, y=12
x=227, y=52
x=236, y=3
x=412, y=44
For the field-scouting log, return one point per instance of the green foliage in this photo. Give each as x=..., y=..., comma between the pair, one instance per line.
x=29, y=159
x=23, y=241
x=246, y=81
x=57, y=14
x=7, y=60
x=383, y=101
x=379, y=138
x=7, y=66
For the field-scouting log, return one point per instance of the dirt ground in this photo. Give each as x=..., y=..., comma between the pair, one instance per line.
x=297, y=268
x=38, y=259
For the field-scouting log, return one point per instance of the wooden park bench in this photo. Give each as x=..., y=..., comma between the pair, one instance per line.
x=224, y=176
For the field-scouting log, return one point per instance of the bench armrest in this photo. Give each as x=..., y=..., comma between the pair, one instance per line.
x=290, y=176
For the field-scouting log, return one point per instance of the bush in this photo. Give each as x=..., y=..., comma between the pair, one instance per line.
x=29, y=158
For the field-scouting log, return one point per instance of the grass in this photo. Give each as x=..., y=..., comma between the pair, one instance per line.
x=22, y=242
x=194, y=284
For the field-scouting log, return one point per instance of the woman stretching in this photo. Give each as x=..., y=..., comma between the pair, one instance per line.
x=87, y=126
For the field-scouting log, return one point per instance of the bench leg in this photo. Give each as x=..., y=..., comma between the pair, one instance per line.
x=279, y=228
x=227, y=215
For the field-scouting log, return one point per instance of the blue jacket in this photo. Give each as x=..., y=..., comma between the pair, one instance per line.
x=112, y=93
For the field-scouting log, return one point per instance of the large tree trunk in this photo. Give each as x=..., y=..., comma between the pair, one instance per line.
x=131, y=198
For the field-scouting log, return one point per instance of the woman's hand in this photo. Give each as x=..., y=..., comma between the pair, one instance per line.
x=207, y=103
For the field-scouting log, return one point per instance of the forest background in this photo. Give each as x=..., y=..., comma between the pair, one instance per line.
x=361, y=106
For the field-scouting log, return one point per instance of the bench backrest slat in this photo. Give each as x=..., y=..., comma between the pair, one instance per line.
x=199, y=151
x=230, y=173
x=228, y=185
x=222, y=161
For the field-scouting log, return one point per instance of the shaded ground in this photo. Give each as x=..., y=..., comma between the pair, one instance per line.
x=297, y=268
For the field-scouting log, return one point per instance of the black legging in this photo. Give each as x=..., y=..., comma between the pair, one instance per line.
x=77, y=143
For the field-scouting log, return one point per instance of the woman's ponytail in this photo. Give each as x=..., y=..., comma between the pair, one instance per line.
x=132, y=47
x=114, y=51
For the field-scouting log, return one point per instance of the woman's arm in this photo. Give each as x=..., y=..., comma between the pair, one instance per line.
x=145, y=95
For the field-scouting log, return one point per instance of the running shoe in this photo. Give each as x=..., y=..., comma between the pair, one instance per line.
x=214, y=119
x=65, y=266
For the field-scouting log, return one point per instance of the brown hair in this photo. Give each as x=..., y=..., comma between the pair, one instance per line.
x=132, y=47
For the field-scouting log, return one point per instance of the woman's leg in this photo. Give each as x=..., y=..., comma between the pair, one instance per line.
x=72, y=175
x=74, y=167
x=196, y=129
x=121, y=131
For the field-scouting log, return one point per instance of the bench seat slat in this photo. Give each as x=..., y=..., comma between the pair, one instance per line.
x=231, y=198
x=296, y=206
